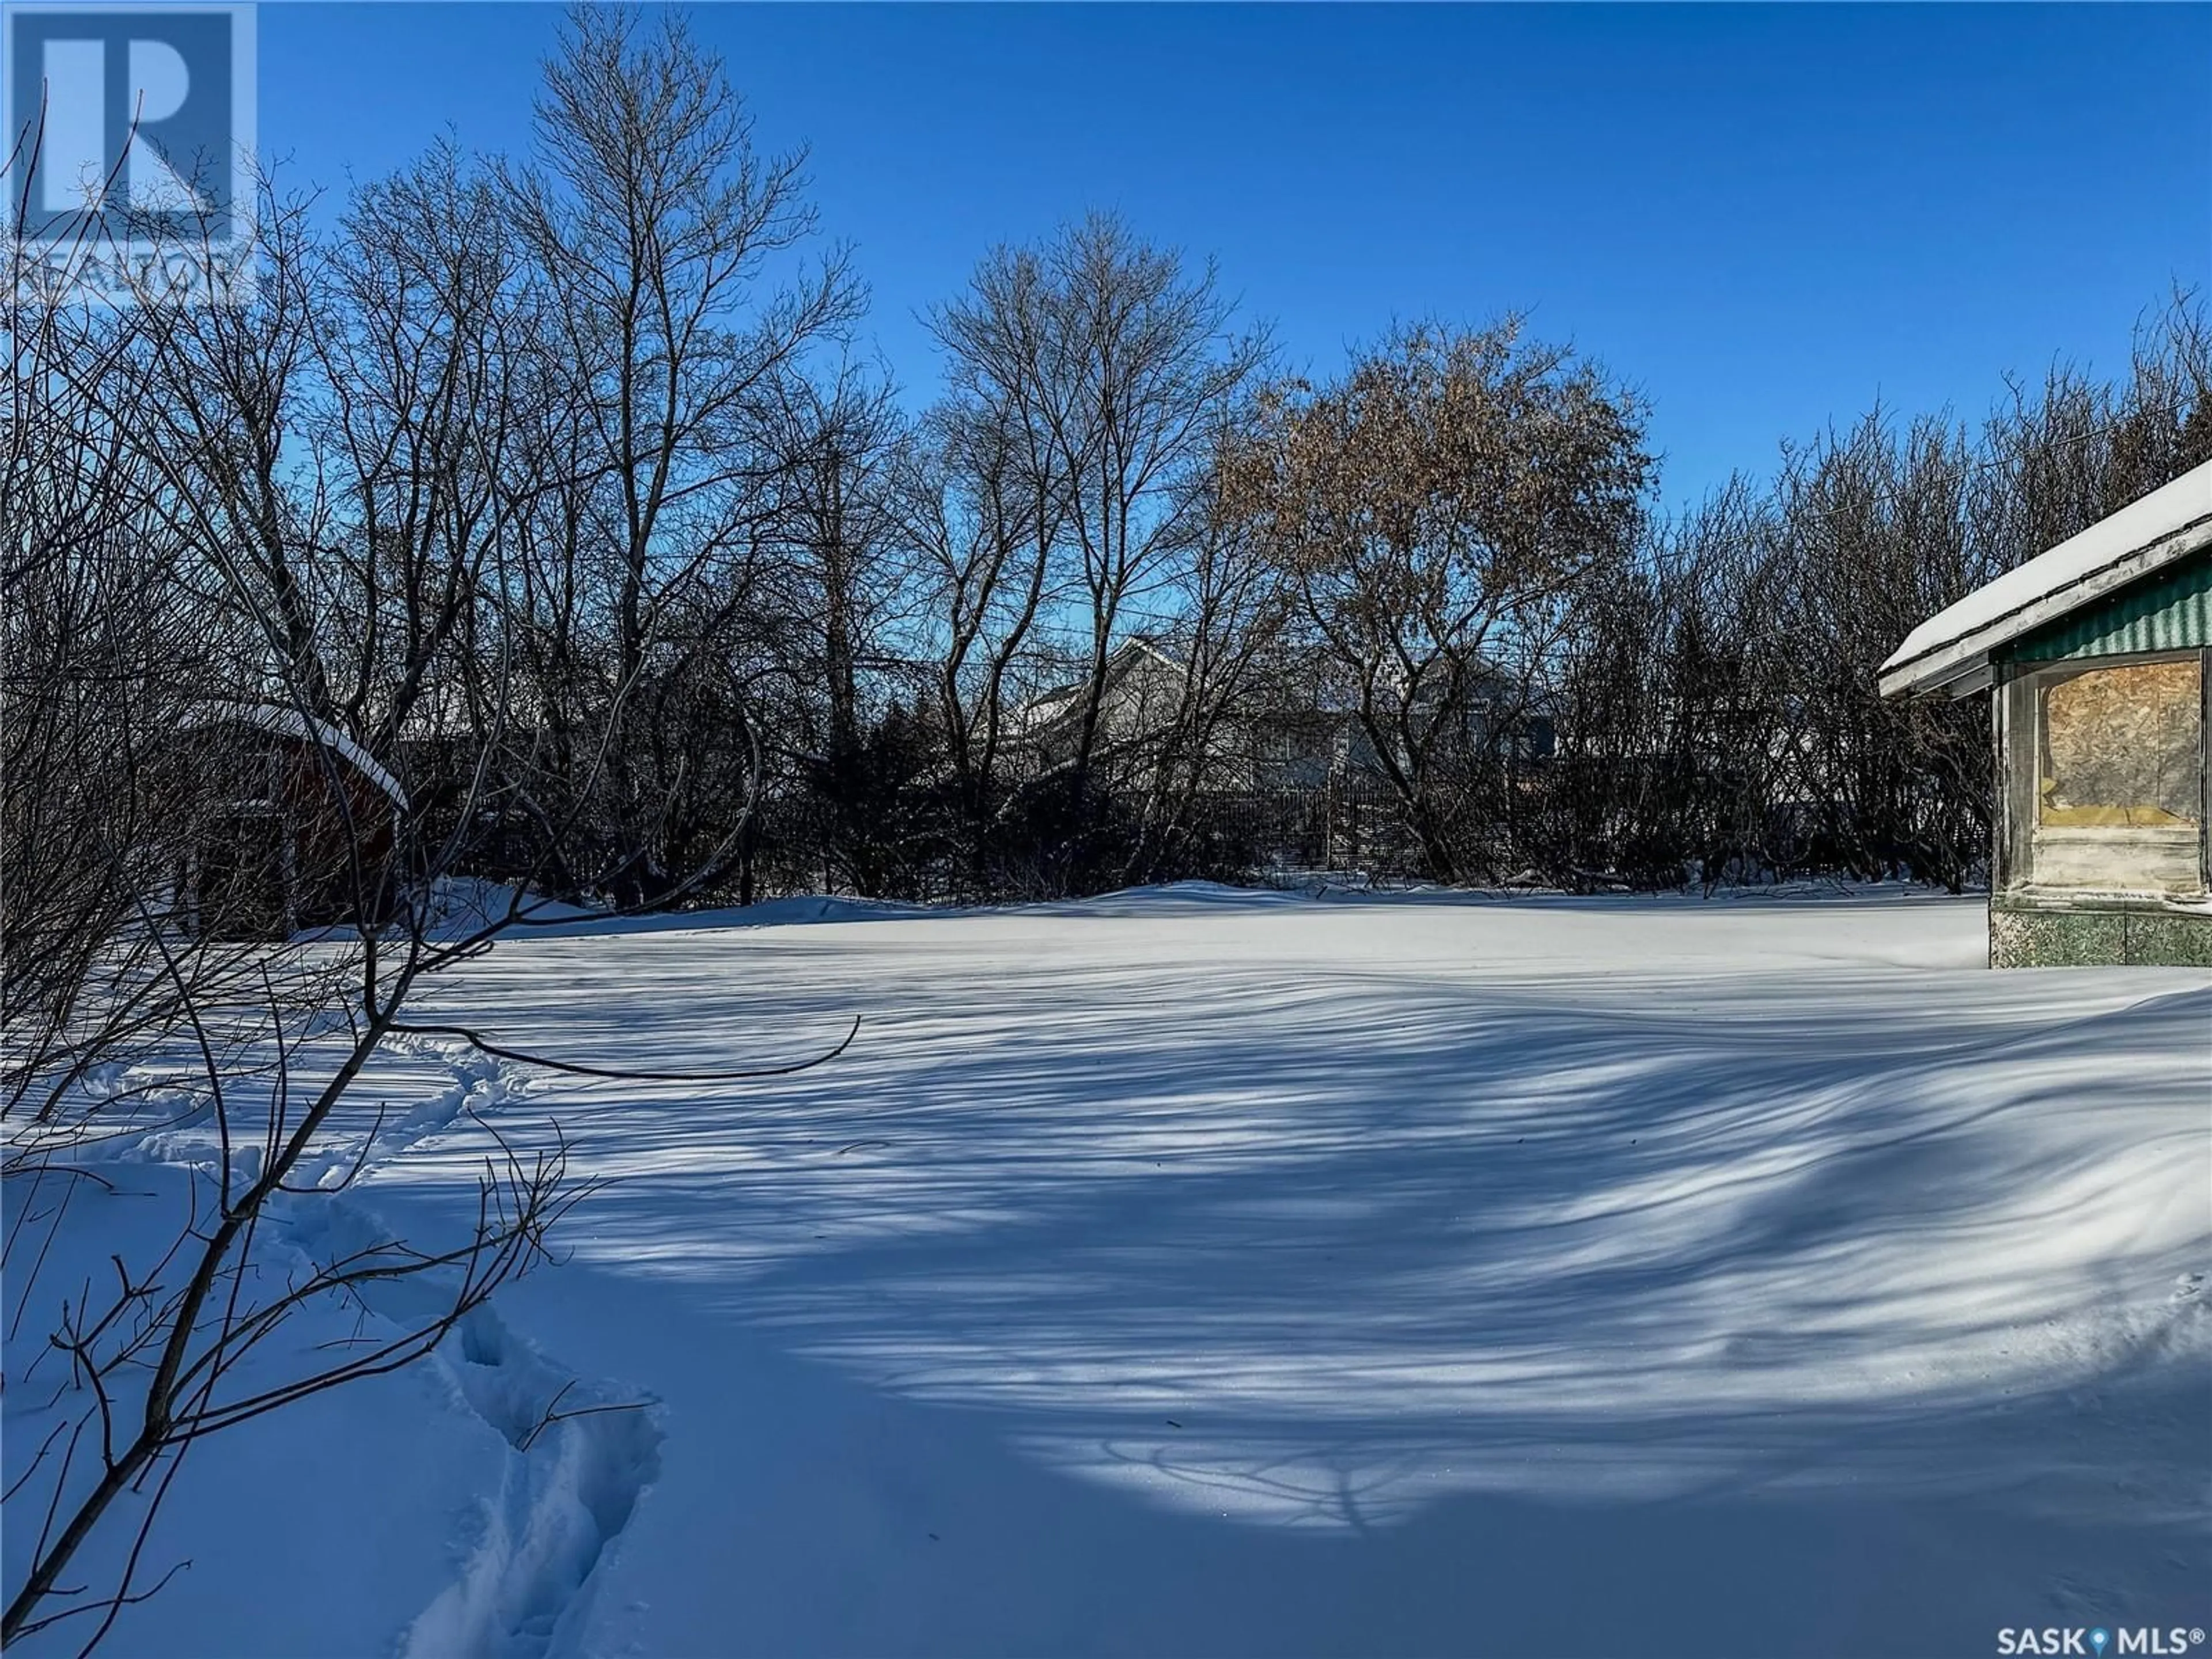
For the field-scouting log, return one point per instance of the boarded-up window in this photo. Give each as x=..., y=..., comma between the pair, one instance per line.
x=2119, y=779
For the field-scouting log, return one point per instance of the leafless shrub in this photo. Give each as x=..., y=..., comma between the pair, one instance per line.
x=435, y=556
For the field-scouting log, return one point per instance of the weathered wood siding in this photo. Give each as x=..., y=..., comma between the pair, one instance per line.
x=2054, y=905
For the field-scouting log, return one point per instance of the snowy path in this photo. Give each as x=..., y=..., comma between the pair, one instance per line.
x=579, y=1450
x=496, y=1475
x=1195, y=1273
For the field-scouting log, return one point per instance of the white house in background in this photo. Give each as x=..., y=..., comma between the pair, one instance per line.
x=1285, y=734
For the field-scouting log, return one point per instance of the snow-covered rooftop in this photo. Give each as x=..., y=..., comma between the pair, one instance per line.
x=2146, y=535
x=291, y=723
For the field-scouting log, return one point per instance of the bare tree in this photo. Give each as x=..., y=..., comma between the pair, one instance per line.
x=655, y=230
x=1229, y=601
x=267, y=565
x=838, y=593
x=423, y=330
x=980, y=523
x=1090, y=376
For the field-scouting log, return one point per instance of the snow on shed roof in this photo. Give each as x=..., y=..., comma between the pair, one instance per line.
x=291, y=723
x=1952, y=648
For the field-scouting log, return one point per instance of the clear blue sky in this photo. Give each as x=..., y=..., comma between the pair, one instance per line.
x=1765, y=217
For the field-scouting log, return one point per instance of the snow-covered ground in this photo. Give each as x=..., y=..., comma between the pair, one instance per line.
x=1192, y=1271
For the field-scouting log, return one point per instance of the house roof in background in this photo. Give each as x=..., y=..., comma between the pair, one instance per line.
x=291, y=723
x=1049, y=708
x=1952, y=649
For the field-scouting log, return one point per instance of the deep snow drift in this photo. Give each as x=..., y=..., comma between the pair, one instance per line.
x=1191, y=1271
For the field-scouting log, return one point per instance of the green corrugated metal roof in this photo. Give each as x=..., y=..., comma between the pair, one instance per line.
x=2170, y=611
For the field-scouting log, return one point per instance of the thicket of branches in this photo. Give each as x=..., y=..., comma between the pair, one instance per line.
x=1434, y=584
x=1719, y=717
x=444, y=549
x=651, y=590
